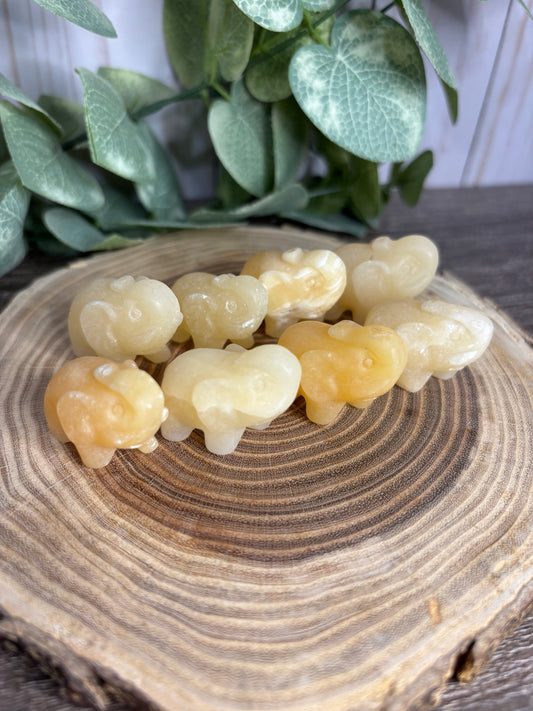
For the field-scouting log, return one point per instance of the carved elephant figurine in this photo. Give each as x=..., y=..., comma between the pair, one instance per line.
x=384, y=269
x=221, y=392
x=123, y=318
x=301, y=284
x=441, y=338
x=101, y=406
x=343, y=364
x=219, y=308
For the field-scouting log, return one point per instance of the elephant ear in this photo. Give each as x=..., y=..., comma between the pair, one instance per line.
x=214, y=401
x=346, y=331
x=320, y=374
x=373, y=276
x=201, y=317
x=75, y=413
x=97, y=320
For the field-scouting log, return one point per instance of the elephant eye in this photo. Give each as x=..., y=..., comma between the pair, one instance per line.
x=134, y=313
x=231, y=306
x=368, y=363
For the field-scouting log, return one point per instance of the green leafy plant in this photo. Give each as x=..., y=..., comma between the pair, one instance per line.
x=304, y=101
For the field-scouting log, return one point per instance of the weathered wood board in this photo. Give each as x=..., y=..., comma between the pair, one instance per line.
x=353, y=566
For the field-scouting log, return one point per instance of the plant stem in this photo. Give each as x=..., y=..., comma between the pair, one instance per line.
x=196, y=91
x=266, y=53
x=220, y=89
x=312, y=30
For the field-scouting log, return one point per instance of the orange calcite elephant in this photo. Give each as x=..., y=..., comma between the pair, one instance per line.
x=101, y=406
x=343, y=364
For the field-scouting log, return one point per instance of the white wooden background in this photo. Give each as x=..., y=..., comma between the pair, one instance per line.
x=489, y=44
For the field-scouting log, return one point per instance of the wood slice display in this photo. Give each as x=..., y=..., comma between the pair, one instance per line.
x=354, y=566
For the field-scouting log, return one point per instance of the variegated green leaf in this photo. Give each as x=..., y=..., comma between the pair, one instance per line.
x=116, y=241
x=318, y=5
x=14, y=201
x=162, y=195
x=241, y=134
x=267, y=79
x=117, y=209
x=289, y=134
x=72, y=229
x=41, y=163
x=334, y=222
x=114, y=139
x=231, y=34
x=363, y=190
x=229, y=192
x=184, y=29
x=275, y=15
x=136, y=90
x=68, y=114
x=427, y=38
x=410, y=178
x=11, y=91
x=368, y=93
x=83, y=13
x=292, y=197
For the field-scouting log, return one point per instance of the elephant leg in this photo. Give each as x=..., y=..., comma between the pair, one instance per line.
x=246, y=342
x=93, y=456
x=174, y=430
x=322, y=413
x=222, y=442
x=159, y=356
x=148, y=446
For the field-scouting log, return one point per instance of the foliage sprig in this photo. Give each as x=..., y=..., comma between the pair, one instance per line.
x=303, y=101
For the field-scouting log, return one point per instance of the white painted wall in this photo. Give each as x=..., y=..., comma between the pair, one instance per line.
x=489, y=44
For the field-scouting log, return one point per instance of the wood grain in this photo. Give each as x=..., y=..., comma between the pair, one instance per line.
x=346, y=567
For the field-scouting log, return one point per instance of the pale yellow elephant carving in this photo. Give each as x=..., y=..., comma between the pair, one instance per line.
x=301, y=284
x=123, y=318
x=441, y=338
x=384, y=269
x=220, y=308
x=221, y=392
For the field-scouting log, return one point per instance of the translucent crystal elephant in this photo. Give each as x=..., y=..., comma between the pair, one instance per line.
x=101, y=406
x=123, y=318
x=220, y=308
x=221, y=392
x=441, y=338
x=343, y=364
x=384, y=269
x=301, y=284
